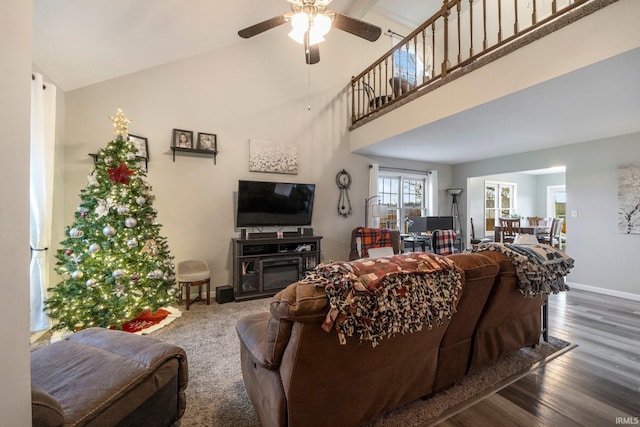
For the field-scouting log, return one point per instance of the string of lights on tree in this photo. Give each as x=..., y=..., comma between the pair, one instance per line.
x=113, y=262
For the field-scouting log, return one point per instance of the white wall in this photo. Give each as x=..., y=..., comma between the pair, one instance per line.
x=250, y=90
x=606, y=260
x=542, y=182
x=15, y=86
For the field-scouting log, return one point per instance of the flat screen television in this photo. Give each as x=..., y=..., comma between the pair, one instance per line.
x=274, y=204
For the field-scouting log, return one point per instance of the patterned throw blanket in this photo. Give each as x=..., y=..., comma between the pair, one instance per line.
x=444, y=242
x=541, y=269
x=380, y=297
x=372, y=238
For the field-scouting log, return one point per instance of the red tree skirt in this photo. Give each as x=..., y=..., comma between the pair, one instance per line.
x=148, y=322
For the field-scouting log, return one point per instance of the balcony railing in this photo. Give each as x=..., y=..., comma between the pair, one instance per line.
x=460, y=33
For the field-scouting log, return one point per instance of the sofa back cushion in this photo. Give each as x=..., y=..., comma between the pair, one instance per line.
x=478, y=274
x=509, y=320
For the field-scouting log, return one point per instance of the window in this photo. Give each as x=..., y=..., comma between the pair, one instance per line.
x=405, y=195
x=409, y=66
x=499, y=202
x=556, y=201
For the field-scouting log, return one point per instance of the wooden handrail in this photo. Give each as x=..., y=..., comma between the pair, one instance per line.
x=392, y=77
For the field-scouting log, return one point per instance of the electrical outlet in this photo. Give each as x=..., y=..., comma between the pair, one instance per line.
x=574, y=213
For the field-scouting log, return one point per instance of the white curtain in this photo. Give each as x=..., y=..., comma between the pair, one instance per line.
x=432, y=192
x=374, y=222
x=43, y=113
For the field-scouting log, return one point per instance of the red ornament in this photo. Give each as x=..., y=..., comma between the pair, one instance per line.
x=120, y=174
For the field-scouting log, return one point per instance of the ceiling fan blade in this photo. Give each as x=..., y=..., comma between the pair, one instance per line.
x=356, y=27
x=261, y=27
x=312, y=54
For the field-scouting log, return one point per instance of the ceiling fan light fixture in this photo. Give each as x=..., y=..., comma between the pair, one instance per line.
x=315, y=37
x=300, y=22
x=297, y=36
x=321, y=24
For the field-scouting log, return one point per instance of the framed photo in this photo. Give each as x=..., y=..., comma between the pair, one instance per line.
x=141, y=145
x=183, y=139
x=207, y=141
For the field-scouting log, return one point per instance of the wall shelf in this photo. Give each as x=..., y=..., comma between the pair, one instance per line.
x=213, y=153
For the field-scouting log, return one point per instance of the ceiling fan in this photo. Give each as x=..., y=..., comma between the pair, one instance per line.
x=311, y=21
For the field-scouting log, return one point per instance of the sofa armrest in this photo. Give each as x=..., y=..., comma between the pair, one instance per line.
x=266, y=335
x=45, y=410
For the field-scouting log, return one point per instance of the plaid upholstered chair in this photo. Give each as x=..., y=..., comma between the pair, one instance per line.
x=363, y=239
x=443, y=242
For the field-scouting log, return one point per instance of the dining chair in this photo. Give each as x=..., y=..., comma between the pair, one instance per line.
x=509, y=228
x=475, y=241
x=443, y=242
x=534, y=221
x=554, y=238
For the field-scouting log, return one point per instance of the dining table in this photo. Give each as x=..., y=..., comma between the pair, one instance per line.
x=535, y=230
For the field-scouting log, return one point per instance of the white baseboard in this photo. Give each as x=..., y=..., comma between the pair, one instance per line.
x=619, y=294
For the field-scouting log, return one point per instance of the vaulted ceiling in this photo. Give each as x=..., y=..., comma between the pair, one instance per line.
x=79, y=43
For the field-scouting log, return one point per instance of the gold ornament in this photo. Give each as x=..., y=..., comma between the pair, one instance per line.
x=120, y=123
x=150, y=248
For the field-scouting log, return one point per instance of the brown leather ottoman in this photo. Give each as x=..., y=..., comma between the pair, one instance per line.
x=102, y=377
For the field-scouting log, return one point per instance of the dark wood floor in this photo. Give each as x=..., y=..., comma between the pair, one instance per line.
x=595, y=384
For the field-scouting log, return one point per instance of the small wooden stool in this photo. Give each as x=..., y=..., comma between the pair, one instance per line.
x=194, y=273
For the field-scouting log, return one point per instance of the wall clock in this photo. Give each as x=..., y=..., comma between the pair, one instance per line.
x=343, y=179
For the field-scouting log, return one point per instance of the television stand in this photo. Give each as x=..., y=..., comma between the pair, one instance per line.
x=262, y=266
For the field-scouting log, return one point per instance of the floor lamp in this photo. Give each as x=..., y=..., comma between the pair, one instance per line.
x=376, y=210
x=455, y=213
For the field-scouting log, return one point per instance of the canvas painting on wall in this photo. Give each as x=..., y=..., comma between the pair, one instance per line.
x=629, y=198
x=273, y=157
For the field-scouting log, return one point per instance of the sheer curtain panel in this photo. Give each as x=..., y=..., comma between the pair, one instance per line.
x=43, y=113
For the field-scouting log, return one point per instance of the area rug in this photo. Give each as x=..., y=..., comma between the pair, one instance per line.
x=141, y=325
x=216, y=395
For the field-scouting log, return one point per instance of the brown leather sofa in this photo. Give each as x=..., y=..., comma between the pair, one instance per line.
x=102, y=377
x=298, y=375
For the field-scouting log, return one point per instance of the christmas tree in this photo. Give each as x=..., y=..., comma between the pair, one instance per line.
x=113, y=262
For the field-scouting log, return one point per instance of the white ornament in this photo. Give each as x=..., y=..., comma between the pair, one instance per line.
x=140, y=200
x=94, y=247
x=130, y=222
x=90, y=283
x=108, y=231
x=119, y=290
x=103, y=207
x=131, y=156
x=77, y=274
x=108, y=160
x=155, y=274
x=132, y=243
x=76, y=233
x=123, y=209
x=117, y=273
x=82, y=209
x=171, y=291
x=93, y=181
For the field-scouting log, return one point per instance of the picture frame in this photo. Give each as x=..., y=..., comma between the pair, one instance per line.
x=273, y=156
x=141, y=144
x=207, y=142
x=182, y=139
